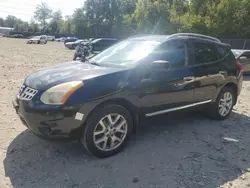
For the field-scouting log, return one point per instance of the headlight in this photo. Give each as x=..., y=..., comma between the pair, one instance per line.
x=59, y=94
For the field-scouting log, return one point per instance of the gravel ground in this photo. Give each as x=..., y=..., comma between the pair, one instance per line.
x=183, y=150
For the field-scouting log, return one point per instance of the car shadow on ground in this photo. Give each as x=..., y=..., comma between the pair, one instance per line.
x=175, y=150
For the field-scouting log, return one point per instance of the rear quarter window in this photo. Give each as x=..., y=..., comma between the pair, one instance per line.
x=204, y=52
x=222, y=51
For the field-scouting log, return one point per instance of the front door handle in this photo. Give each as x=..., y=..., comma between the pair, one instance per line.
x=188, y=78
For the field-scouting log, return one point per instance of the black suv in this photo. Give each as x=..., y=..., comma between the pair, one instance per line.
x=99, y=101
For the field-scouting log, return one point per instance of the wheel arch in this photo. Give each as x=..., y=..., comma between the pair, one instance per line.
x=132, y=109
x=229, y=85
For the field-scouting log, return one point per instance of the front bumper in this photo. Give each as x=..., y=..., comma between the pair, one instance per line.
x=49, y=124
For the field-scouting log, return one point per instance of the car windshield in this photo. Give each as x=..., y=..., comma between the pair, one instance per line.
x=126, y=53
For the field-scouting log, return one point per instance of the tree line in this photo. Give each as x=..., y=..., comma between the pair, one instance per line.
x=122, y=18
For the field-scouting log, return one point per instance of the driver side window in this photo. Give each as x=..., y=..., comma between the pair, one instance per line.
x=173, y=52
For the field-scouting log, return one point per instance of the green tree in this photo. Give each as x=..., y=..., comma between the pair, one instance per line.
x=1, y=22
x=80, y=22
x=56, y=22
x=33, y=26
x=42, y=14
x=153, y=17
x=10, y=21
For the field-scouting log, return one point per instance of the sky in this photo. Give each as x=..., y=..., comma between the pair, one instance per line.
x=24, y=9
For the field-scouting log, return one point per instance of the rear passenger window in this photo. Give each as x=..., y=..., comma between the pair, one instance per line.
x=173, y=52
x=204, y=53
x=222, y=51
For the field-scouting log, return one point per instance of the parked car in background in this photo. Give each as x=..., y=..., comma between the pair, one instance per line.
x=38, y=40
x=51, y=38
x=100, y=101
x=70, y=39
x=17, y=36
x=73, y=45
x=62, y=39
x=102, y=43
x=82, y=50
x=243, y=56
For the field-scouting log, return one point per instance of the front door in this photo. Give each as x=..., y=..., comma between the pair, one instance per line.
x=167, y=89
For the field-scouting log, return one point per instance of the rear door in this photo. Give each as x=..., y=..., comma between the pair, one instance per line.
x=209, y=65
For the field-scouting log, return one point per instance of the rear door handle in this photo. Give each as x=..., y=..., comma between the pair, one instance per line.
x=188, y=78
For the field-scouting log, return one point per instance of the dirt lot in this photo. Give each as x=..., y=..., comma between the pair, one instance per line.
x=183, y=150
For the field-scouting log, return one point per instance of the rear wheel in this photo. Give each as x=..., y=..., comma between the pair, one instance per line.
x=107, y=131
x=223, y=106
x=38, y=42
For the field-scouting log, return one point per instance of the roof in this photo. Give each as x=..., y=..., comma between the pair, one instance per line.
x=159, y=38
x=162, y=38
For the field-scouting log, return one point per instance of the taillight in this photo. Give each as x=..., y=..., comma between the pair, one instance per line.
x=239, y=65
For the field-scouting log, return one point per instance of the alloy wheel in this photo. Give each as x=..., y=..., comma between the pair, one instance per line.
x=225, y=103
x=110, y=132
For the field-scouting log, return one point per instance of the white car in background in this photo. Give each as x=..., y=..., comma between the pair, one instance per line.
x=51, y=38
x=38, y=40
x=62, y=39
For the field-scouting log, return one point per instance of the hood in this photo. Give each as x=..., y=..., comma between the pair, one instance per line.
x=69, y=71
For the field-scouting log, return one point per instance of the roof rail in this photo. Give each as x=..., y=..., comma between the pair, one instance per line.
x=194, y=35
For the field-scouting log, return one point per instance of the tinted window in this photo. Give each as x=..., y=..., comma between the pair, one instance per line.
x=204, y=53
x=173, y=52
x=222, y=51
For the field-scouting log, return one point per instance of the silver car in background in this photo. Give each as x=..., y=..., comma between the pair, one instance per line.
x=244, y=57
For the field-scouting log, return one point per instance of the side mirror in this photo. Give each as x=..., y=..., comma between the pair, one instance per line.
x=244, y=58
x=160, y=65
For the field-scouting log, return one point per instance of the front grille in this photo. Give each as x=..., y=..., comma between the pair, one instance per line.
x=27, y=94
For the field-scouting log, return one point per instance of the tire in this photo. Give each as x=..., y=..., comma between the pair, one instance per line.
x=215, y=111
x=45, y=42
x=38, y=42
x=90, y=142
x=74, y=58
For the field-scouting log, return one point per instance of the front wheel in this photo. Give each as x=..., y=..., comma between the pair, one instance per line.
x=107, y=131
x=74, y=58
x=223, y=105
